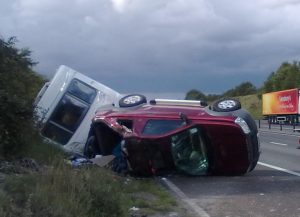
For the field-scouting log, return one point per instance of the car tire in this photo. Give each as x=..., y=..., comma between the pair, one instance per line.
x=226, y=105
x=132, y=100
x=90, y=148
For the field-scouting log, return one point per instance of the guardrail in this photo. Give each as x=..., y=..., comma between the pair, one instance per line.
x=264, y=125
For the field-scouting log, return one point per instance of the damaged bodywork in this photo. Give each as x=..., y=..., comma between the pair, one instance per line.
x=182, y=135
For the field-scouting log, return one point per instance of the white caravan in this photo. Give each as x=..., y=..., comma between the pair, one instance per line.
x=65, y=107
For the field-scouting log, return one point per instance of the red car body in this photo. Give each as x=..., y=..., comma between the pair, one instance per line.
x=192, y=139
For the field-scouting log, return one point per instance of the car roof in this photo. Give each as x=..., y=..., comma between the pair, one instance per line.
x=160, y=111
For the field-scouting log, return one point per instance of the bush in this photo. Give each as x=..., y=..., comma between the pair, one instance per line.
x=18, y=86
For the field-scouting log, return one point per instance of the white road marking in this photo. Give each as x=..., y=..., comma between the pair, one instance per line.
x=277, y=143
x=277, y=133
x=191, y=203
x=279, y=168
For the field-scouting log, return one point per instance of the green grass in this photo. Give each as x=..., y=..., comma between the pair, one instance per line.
x=63, y=191
x=150, y=196
x=252, y=104
x=87, y=192
x=44, y=153
x=58, y=190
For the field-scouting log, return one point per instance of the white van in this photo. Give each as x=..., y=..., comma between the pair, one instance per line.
x=65, y=106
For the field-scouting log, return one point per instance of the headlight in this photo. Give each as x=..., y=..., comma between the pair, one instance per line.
x=242, y=123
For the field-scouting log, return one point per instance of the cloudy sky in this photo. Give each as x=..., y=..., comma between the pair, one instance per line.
x=161, y=46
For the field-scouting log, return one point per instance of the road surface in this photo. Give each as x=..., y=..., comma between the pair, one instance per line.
x=272, y=189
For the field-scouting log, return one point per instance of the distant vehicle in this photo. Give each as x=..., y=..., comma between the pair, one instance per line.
x=182, y=135
x=65, y=106
x=281, y=106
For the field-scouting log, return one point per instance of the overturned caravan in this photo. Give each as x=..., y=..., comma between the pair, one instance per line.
x=181, y=135
x=65, y=106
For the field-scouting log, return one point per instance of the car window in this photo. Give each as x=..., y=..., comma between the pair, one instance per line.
x=159, y=127
x=189, y=152
x=69, y=112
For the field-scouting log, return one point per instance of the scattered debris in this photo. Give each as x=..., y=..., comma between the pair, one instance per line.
x=102, y=161
x=134, y=208
x=78, y=161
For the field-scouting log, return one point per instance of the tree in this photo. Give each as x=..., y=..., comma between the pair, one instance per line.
x=195, y=95
x=268, y=85
x=18, y=87
x=287, y=76
x=245, y=88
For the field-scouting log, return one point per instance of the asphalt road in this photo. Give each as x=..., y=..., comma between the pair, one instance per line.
x=272, y=189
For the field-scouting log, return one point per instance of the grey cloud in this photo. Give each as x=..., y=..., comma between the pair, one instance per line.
x=158, y=46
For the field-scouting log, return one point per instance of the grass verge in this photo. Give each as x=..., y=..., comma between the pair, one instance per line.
x=252, y=104
x=87, y=192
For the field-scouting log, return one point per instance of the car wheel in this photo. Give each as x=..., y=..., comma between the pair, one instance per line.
x=226, y=105
x=132, y=100
x=90, y=148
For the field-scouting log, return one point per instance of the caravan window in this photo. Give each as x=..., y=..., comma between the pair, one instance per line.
x=69, y=112
x=82, y=91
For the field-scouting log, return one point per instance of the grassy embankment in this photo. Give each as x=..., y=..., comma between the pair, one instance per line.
x=59, y=190
x=252, y=104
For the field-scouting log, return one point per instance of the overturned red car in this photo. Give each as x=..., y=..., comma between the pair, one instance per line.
x=177, y=135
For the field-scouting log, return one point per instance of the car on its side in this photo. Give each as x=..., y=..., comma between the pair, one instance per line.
x=176, y=135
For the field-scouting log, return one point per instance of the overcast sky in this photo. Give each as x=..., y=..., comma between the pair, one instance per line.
x=158, y=46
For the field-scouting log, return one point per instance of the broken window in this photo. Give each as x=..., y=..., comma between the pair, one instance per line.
x=159, y=127
x=127, y=123
x=189, y=152
x=69, y=112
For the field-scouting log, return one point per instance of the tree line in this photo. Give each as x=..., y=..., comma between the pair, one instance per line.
x=287, y=76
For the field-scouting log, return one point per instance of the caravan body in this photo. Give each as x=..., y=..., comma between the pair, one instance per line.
x=65, y=107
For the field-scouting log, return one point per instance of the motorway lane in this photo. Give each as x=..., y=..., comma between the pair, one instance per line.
x=263, y=192
x=291, y=139
x=280, y=150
